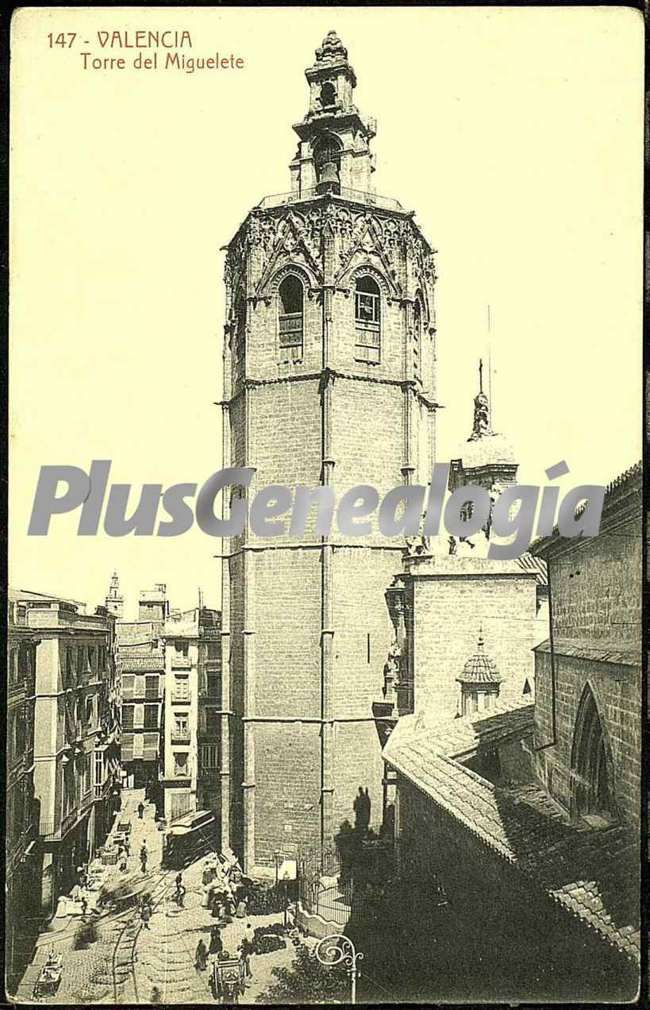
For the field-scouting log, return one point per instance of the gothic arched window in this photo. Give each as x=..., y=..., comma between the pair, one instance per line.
x=589, y=761
x=291, y=297
x=327, y=149
x=239, y=343
x=367, y=318
x=417, y=337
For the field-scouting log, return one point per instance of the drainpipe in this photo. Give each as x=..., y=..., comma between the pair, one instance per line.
x=552, y=742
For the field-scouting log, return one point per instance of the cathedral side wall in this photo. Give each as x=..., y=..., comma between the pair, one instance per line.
x=504, y=607
x=617, y=691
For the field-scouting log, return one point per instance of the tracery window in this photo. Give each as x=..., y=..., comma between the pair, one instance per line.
x=590, y=766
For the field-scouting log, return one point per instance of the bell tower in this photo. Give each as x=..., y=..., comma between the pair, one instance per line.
x=329, y=379
x=334, y=150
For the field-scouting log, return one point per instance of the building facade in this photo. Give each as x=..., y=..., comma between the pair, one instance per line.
x=76, y=735
x=329, y=379
x=192, y=723
x=141, y=667
x=23, y=853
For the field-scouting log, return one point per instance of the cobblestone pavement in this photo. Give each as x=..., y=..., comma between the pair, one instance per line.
x=127, y=963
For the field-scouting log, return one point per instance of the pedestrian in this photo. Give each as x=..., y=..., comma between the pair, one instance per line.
x=123, y=864
x=201, y=956
x=84, y=907
x=245, y=958
x=127, y=846
x=216, y=943
x=241, y=908
x=143, y=862
x=140, y=809
x=180, y=896
x=145, y=915
x=249, y=939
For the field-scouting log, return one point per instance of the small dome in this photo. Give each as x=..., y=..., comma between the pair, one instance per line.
x=489, y=448
x=479, y=668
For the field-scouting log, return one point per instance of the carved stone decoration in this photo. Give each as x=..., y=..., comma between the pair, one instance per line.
x=331, y=49
x=291, y=237
x=417, y=547
x=391, y=672
x=366, y=244
x=481, y=417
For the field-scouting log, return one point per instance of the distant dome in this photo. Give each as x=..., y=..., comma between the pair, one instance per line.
x=489, y=448
x=479, y=668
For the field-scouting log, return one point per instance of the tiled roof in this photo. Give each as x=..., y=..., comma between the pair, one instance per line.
x=592, y=874
x=459, y=737
x=530, y=563
x=617, y=652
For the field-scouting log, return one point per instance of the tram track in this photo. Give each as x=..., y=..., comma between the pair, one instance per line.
x=124, y=957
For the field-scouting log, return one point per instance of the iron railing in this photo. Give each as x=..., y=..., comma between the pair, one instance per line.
x=355, y=195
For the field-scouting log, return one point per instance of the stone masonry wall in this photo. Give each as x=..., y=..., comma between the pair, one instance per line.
x=449, y=611
x=595, y=588
x=617, y=692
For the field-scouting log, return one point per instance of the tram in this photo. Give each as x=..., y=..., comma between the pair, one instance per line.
x=190, y=837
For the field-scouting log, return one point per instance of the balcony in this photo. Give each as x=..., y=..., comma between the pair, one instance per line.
x=181, y=736
x=353, y=195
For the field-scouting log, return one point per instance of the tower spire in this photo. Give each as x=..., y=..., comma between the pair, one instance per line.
x=333, y=152
x=481, y=425
x=114, y=601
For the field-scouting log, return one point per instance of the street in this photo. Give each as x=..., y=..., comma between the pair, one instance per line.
x=127, y=963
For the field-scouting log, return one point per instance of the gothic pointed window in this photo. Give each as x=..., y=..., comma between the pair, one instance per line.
x=239, y=355
x=367, y=317
x=590, y=764
x=417, y=337
x=290, y=317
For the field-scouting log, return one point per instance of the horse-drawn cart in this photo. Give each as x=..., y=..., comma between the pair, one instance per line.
x=49, y=979
x=228, y=979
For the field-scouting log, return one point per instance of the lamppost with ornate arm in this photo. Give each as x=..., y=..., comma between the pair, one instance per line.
x=339, y=949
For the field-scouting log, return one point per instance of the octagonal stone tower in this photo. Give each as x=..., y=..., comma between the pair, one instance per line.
x=329, y=378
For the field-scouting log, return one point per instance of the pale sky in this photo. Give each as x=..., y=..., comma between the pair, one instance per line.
x=515, y=134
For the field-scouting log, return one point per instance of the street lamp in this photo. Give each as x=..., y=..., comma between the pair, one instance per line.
x=339, y=949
